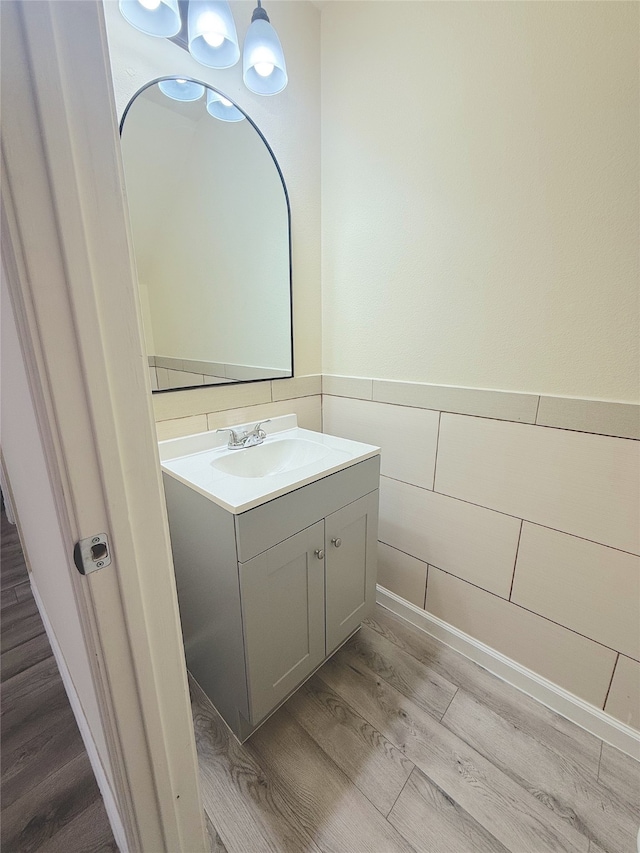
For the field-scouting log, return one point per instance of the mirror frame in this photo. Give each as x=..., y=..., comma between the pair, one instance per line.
x=286, y=197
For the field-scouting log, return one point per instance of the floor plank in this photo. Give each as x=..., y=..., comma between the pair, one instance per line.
x=215, y=842
x=432, y=821
x=370, y=761
x=14, y=569
x=29, y=763
x=337, y=816
x=492, y=798
x=50, y=800
x=572, y=796
x=621, y=774
x=244, y=804
x=24, y=656
x=23, y=591
x=20, y=623
x=570, y=741
x=8, y=598
x=88, y=833
x=38, y=816
x=33, y=680
x=418, y=682
x=20, y=725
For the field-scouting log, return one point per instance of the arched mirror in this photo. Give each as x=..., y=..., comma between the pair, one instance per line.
x=211, y=230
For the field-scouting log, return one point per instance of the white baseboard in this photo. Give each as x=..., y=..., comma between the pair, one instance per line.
x=581, y=713
x=96, y=764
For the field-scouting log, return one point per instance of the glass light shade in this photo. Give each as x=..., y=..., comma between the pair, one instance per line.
x=220, y=107
x=264, y=70
x=154, y=17
x=213, y=40
x=181, y=90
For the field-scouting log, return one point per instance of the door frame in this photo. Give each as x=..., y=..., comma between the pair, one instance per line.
x=68, y=259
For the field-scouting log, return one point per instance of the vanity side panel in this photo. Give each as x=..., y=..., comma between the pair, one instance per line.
x=273, y=522
x=204, y=554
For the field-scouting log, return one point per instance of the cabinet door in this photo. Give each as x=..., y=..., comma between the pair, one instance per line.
x=283, y=612
x=351, y=537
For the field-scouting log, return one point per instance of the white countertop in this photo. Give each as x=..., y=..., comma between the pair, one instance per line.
x=193, y=460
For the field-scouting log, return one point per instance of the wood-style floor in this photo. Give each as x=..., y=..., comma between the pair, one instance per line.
x=49, y=796
x=398, y=744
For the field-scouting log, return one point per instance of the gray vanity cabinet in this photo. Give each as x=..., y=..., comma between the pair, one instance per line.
x=302, y=598
x=268, y=594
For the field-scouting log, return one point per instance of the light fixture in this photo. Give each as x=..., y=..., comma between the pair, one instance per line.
x=181, y=89
x=264, y=69
x=213, y=40
x=154, y=17
x=220, y=107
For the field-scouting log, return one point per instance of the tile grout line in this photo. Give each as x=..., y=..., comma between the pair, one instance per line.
x=604, y=704
x=513, y=603
x=515, y=562
x=498, y=418
x=435, y=460
x=583, y=431
x=508, y=515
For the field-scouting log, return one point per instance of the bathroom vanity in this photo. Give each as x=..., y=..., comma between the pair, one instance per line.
x=275, y=553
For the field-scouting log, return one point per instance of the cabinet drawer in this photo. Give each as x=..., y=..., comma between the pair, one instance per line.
x=273, y=522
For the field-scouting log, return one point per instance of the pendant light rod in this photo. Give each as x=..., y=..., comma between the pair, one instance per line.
x=259, y=14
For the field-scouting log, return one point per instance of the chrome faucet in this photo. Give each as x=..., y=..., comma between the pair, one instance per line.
x=249, y=438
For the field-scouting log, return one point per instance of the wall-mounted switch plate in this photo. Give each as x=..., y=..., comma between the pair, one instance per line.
x=92, y=553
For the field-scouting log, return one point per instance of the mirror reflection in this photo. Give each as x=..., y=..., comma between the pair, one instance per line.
x=210, y=221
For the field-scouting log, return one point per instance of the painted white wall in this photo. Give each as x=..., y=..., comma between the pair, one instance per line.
x=34, y=502
x=147, y=325
x=480, y=194
x=210, y=230
x=290, y=122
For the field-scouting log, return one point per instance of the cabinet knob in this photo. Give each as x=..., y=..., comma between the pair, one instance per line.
x=319, y=553
x=336, y=542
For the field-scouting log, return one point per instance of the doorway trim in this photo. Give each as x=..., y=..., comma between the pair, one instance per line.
x=72, y=284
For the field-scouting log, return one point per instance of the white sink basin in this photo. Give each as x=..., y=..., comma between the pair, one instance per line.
x=239, y=480
x=271, y=458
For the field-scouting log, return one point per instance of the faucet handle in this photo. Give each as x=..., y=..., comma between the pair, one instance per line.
x=259, y=431
x=234, y=438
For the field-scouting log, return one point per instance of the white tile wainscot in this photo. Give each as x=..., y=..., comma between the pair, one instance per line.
x=404, y=574
x=575, y=482
x=592, y=589
x=469, y=541
x=394, y=429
